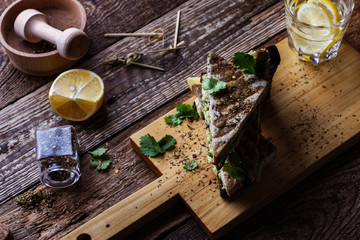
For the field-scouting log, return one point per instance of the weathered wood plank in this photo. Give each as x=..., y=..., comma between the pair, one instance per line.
x=268, y=223
x=131, y=93
x=103, y=16
x=95, y=192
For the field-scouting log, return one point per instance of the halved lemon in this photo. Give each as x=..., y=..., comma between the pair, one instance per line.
x=191, y=81
x=76, y=94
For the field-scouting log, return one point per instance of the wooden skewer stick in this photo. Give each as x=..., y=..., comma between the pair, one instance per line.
x=127, y=61
x=147, y=66
x=167, y=49
x=132, y=34
x=177, y=29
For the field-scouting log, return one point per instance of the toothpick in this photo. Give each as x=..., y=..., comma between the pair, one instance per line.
x=167, y=49
x=148, y=66
x=131, y=34
x=128, y=60
x=172, y=48
x=177, y=29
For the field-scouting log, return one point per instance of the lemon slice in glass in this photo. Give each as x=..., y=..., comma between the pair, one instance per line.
x=313, y=14
x=76, y=94
x=330, y=9
x=317, y=39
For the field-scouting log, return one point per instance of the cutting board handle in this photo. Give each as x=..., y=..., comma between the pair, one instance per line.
x=131, y=213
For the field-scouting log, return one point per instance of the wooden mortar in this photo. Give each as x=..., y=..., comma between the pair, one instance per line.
x=61, y=14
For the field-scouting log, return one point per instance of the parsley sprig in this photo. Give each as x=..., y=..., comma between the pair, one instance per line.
x=190, y=165
x=183, y=111
x=213, y=86
x=249, y=64
x=152, y=148
x=101, y=161
x=245, y=62
x=235, y=168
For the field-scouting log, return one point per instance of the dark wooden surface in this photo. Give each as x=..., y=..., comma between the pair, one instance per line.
x=324, y=206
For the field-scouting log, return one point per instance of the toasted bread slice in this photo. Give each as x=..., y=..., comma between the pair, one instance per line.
x=239, y=151
x=251, y=155
x=230, y=110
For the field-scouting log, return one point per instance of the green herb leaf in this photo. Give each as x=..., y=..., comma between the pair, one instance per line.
x=190, y=165
x=149, y=146
x=166, y=142
x=98, y=152
x=105, y=164
x=235, y=160
x=182, y=111
x=186, y=111
x=213, y=86
x=245, y=62
x=101, y=162
x=235, y=173
x=210, y=154
x=94, y=163
x=172, y=120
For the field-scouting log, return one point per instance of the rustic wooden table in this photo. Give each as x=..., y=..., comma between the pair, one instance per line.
x=324, y=206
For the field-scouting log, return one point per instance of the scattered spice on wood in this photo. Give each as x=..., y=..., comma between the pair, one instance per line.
x=64, y=209
x=35, y=198
x=191, y=128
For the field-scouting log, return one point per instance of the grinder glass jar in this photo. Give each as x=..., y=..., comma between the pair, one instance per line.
x=57, y=156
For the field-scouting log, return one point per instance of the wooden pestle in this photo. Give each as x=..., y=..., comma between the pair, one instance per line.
x=32, y=25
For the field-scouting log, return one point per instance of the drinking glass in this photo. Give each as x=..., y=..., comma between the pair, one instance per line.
x=316, y=27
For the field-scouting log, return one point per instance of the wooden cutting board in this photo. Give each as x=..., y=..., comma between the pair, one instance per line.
x=312, y=116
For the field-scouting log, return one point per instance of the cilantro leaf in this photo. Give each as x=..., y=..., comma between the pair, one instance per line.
x=94, y=163
x=235, y=160
x=210, y=154
x=182, y=111
x=186, y=111
x=213, y=86
x=101, y=162
x=245, y=62
x=190, y=165
x=105, y=164
x=98, y=152
x=152, y=148
x=237, y=174
x=172, y=120
x=149, y=146
x=166, y=142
